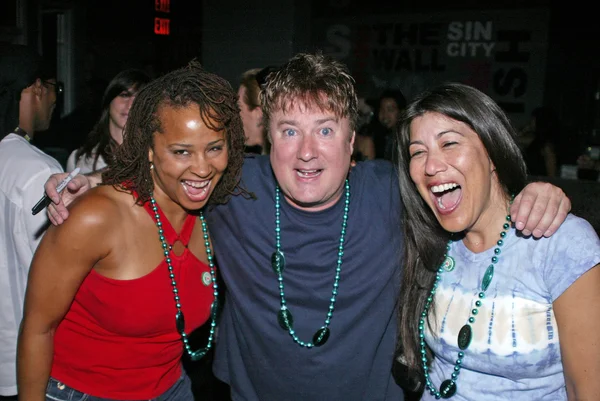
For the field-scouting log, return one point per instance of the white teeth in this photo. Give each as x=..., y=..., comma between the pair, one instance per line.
x=307, y=172
x=195, y=184
x=444, y=187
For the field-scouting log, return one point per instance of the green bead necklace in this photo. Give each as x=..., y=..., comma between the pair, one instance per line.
x=284, y=316
x=179, y=318
x=448, y=386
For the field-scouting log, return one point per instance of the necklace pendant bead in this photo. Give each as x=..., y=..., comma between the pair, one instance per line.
x=285, y=319
x=278, y=261
x=321, y=336
x=487, y=277
x=180, y=322
x=197, y=355
x=464, y=337
x=448, y=388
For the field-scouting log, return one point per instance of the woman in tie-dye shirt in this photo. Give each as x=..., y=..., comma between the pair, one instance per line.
x=487, y=313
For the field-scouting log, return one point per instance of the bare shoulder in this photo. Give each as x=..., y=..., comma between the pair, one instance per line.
x=100, y=209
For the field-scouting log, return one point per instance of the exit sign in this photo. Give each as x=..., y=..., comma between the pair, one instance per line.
x=162, y=24
x=162, y=6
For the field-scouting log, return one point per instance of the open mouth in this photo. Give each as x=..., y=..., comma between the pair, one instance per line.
x=197, y=191
x=308, y=173
x=446, y=196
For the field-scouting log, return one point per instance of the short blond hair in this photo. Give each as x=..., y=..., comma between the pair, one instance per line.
x=313, y=79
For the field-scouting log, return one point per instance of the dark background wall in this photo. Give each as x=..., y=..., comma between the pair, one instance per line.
x=230, y=36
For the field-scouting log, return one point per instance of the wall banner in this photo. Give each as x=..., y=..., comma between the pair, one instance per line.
x=502, y=53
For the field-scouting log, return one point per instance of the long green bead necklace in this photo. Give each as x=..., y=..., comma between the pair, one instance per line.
x=448, y=386
x=284, y=316
x=179, y=318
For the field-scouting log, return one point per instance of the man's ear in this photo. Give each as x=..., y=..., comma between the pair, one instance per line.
x=259, y=115
x=352, y=139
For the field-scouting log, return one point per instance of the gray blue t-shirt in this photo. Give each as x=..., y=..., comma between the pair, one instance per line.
x=514, y=354
x=254, y=354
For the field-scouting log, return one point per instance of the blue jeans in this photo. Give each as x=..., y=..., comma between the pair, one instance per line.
x=57, y=391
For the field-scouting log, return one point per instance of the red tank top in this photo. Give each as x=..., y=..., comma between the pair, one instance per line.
x=118, y=340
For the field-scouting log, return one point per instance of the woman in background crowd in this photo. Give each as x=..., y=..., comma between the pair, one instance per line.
x=107, y=134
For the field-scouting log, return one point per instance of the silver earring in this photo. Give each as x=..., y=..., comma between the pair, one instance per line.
x=151, y=166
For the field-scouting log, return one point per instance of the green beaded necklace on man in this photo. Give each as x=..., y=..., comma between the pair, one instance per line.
x=284, y=316
x=448, y=387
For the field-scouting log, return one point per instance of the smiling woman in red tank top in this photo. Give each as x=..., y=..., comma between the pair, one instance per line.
x=114, y=292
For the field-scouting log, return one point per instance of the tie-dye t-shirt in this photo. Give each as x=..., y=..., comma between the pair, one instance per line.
x=514, y=354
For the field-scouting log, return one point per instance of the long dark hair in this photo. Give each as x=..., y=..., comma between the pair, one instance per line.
x=99, y=141
x=219, y=110
x=425, y=240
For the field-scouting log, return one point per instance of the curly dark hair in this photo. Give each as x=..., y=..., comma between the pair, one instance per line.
x=130, y=170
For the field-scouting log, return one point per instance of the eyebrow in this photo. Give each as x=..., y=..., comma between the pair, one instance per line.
x=188, y=145
x=181, y=145
x=438, y=136
x=319, y=122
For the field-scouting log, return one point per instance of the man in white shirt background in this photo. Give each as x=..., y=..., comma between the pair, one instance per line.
x=28, y=94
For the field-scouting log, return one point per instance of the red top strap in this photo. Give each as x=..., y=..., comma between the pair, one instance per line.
x=168, y=230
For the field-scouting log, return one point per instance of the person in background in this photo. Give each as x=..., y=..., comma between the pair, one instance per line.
x=28, y=94
x=588, y=168
x=541, y=153
x=251, y=112
x=312, y=281
x=107, y=134
x=485, y=312
x=364, y=146
x=382, y=129
x=114, y=293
